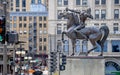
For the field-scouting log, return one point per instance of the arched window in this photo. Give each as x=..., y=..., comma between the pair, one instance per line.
x=111, y=68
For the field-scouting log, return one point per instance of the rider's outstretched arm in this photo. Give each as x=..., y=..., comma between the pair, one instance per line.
x=72, y=11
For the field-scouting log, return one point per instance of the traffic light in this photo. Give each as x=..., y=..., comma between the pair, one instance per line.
x=53, y=61
x=64, y=59
x=12, y=37
x=2, y=30
x=62, y=66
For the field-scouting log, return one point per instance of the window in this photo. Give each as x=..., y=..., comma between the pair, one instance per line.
x=14, y=25
x=66, y=46
x=65, y=2
x=10, y=25
x=11, y=8
x=77, y=47
x=30, y=18
x=44, y=48
x=25, y=25
x=96, y=2
x=39, y=1
x=116, y=14
x=115, y=45
x=103, y=24
x=59, y=2
x=84, y=2
x=23, y=9
x=44, y=39
x=33, y=1
x=111, y=66
x=20, y=25
x=103, y=1
x=96, y=14
x=103, y=14
x=96, y=25
x=40, y=48
x=115, y=28
x=40, y=18
x=44, y=18
x=44, y=25
x=77, y=2
x=20, y=18
x=58, y=14
x=40, y=25
x=40, y=39
x=84, y=46
x=116, y=1
x=10, y=18
x=23, y=3
x=14, y=18
x=17, y=3
x=59, y=29
x=17, y=10
x=65, y=27
x=25, y=18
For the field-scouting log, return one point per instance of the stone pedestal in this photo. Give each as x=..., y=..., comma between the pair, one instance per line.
x=84, y=65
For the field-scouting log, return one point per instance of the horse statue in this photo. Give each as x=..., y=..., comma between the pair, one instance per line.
x=94, y=35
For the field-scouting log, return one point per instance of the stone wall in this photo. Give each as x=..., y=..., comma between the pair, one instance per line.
x=84, y=66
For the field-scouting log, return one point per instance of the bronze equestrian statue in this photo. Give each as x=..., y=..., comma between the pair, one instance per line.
x=94, y=35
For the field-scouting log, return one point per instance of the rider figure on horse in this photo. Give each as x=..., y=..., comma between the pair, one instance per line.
x=82, y=17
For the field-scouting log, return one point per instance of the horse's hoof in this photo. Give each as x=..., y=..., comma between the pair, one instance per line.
x=72, y=54
x=100, y=55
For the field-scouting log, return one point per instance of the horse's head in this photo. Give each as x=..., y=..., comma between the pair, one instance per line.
x=89, y=13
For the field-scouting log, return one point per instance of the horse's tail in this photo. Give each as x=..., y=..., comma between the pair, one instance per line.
x=105, y=30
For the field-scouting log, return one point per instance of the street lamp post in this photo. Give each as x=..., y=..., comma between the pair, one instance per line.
x=5, y=47
x=21, y=52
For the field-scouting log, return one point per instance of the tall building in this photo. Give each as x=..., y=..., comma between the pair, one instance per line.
x=29, y=19
x=105, y=12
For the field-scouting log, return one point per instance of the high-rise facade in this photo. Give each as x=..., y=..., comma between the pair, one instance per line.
x=29, y=19
x=105, y=12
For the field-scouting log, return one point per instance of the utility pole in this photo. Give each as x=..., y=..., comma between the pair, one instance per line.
x=14, y=59
x=5, y=46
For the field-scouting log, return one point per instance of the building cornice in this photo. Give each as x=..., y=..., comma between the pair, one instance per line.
x=28, y=13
